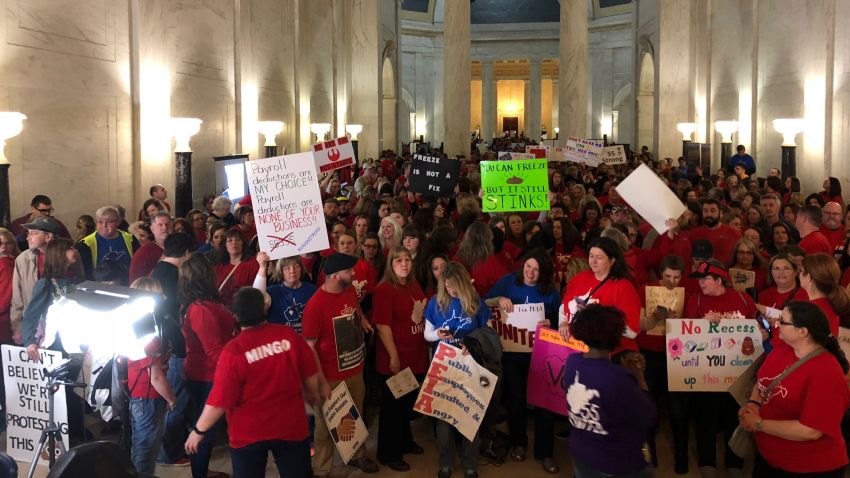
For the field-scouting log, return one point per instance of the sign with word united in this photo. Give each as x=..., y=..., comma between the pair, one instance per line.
x=521, y=185
x=287, y=205
x=456, y=390
x=546, y=386
x=333, y=154
x=26, y=401
x=433, y=175
x=708, y=357
x=516, y=329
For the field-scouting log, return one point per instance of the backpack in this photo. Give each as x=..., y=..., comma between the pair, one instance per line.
x=494, y=445
x=485, y=347
x=109, y=393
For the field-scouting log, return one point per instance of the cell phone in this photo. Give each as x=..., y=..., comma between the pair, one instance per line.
x=764, y=322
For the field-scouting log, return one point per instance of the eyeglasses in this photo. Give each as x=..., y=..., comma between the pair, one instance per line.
x=782, y=322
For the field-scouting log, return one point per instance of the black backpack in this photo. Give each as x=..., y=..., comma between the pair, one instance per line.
x=485, y=347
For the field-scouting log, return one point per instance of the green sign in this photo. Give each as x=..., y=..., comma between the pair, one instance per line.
x=519, y=185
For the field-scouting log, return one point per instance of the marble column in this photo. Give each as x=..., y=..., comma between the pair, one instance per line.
x=456, y=77
x=365, y=98
x=555, y=103
x=535, y=106
x=488, y=101
x=526, y=107
x=673, y=79
x=572, y=109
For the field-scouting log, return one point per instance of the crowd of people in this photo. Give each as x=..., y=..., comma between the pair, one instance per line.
x=254, y=340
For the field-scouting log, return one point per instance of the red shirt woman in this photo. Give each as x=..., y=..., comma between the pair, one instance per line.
x=235, y=268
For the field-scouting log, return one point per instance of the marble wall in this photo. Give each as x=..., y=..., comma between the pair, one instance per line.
x=99, y=79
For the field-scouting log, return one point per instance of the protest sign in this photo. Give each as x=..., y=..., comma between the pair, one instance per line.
x=546, y=387
x=456, y=390
x=508, y=156
x=516, y=329
x=344, y=423
x=673, y=300
x=707, y=357
x=521, y=185
x=655, y=208
x=584, y=151
x=287, y=205
x=350, y=345
x=613, y=155
x=742, y=279
x=26, y=401
x=402, y=383
x=844, y=343
x=333, y=154
x=433, y=175
x=537, y=152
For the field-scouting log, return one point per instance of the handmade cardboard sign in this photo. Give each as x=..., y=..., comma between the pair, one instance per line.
x=433, y=175
x=402, y=383
x=613, y=155
x=333, y=154
x=516, y=329
x=344, y=423
x=521, y=185
x=708, y=357
x=456, y=390
x=287, y=205
x=508, y=156
x=546, y=387
x=26, y=402
x=742, y=279
x=538, y=152
x=584, y=151
x=673, y=300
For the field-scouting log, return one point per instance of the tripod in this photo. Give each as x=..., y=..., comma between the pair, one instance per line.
x=51, y=433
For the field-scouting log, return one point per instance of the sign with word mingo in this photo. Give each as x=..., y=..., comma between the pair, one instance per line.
x=333, y=154
x=26, y=401
x=456, y=390
x=521, y=185
x=287, y=205
x=708, y=357
x=546, y=387
x=433, y=175
x=344, y=422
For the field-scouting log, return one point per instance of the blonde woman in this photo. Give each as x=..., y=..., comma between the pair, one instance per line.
x=451, y=315
x=389, y=233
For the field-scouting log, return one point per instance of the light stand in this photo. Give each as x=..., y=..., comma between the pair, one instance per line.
x=182, y=130
x=687, y=130
x=353, y=130
x=789, y=161
x=726, y=128
x=270, y=129
x=11, y=125
x=789, y=128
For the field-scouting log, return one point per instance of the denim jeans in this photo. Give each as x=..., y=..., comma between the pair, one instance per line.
x=292, y=459
x=147, y=418
x=175, y=434
x=199, y=391
x=447, y=438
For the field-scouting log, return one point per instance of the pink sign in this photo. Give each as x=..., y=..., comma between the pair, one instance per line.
x=546, y=387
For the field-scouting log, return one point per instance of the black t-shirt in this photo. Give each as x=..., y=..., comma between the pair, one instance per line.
x=169, y=314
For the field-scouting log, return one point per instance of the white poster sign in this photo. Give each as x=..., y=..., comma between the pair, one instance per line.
x=287, y=205
x=613, y=155
x=584, y=151
x=26, y=401
x=708, y=357
x=402, y=383
x=344, y=422
x=650, y=198
x=456, y=390
x=333, y=154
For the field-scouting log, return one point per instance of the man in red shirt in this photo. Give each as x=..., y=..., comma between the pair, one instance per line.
x=333, y=325
x=831, y=227
x=258, y=383
x=808, y=223
x=721, y=236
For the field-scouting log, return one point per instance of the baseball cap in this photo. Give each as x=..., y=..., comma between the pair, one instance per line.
x=706, y=269
x=338, y=262
x=702, y=249
x=44, y=224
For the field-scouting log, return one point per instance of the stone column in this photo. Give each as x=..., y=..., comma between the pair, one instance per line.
x=572, y=109
x=535, y=106
x=365, y=98
x=456, y=78
x=526, y=108
x=488, y=101
x=673, y=96
x=555, y=103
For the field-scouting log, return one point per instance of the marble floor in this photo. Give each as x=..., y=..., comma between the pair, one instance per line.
x=426, y=465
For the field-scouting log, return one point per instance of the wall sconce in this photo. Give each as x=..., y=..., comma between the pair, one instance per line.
x=726, y=129
x=183, y=129
x=687, y=129
x=320, y=130
x=789, y=128
x=353, y=130
x=270, y=129
x=11, y=125
x=557, y=132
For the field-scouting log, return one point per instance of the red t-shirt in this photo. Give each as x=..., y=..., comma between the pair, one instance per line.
x=365, y=278
x=258, y=381
x=770, y=297
x=816, y=243
x=816, y=395
x=318, y=322
x=619, y=293
x=835, y=237
x=732, y=304
x=486, y=273
x=208, y=326
x=245, y=273
x=831, y=314
x=138, y=371
x=722, y=239
x=144, y=260
x=403, y=310
x=7, y=270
